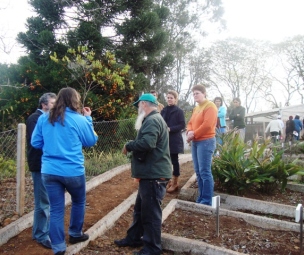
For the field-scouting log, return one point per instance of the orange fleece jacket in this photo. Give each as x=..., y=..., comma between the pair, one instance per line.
x=203, y=121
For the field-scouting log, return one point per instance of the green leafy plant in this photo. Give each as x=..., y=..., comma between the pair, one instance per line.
x=8, y=168
x=99, y=162
x=233, y=168
x=274, y=171
x=242, y=166
x=298, y=147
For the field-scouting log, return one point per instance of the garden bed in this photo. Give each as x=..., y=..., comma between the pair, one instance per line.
x=104, y=198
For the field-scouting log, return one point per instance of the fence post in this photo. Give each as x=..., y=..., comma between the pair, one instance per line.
x=20, y=192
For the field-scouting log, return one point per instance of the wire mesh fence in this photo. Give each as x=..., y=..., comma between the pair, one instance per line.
x=8, y=169
x=8, y=144
x=112, y=135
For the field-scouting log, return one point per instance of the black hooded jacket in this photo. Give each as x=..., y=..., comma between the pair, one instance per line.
x=175, y=119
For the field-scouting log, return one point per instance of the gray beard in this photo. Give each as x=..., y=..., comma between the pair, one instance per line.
x=139, y=120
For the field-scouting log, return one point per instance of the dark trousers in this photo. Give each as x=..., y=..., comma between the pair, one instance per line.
x=274, y=135
x=289, y=137
x=174, y=161
x=147, y=215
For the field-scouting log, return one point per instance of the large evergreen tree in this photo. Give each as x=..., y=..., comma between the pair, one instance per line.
x=145, y=34
x=136, y=39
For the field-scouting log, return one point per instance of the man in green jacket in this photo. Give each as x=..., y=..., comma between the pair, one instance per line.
x=151, y=166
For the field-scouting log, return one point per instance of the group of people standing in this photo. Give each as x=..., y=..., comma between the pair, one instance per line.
x=59, y=166
x=160, y=136
x=293, y=128
x=236, y=116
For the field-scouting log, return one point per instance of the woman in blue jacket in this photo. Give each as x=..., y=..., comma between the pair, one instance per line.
x=175, y=119
x=61, y=134
x=221, y=119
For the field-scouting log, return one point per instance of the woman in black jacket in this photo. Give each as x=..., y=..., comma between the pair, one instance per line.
x=175, y=119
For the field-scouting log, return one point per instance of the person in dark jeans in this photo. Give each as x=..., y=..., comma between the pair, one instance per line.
x=275, y=128
x=40, y=230
x=290, y=128
x=298, y=127
x=151, y=166
x=63, y=167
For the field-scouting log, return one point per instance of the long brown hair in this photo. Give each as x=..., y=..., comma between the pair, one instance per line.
x=67, y=97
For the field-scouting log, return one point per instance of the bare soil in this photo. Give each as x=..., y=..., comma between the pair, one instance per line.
x=110, y=194
x=234, y=234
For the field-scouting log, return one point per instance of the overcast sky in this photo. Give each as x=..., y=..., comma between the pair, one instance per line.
x=272, y=20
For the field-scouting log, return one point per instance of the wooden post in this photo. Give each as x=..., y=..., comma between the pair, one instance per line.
x=20, y=194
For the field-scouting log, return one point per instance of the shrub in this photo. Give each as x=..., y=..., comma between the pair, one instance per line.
x=241, y=167
x=233, y=169
x=99, y=162
x=8, y=168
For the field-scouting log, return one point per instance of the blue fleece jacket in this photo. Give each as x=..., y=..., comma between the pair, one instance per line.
x=62, y=144
x=221, y=114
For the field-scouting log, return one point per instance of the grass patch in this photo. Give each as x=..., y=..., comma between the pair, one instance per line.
x=97, y=163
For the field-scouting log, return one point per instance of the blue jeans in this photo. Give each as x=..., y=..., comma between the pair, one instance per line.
x=202, y=152
x=219, y=133
x=297, y=137
x=147, y=215
x=40, y=230
x=56, y=186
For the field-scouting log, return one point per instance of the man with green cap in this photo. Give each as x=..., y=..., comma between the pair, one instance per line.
x=151, y=166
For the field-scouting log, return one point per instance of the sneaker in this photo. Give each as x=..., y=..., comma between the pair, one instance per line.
x=124, y=242
x=46, y=244
x=79, y=239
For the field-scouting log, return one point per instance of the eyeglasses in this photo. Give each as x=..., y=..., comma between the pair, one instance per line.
x=235, y=102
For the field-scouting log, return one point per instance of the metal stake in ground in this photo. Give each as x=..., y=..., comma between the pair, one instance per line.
x=216, y=204
x=299, y=218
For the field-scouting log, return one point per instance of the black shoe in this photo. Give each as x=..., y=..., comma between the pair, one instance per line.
x=60, y=253
x=79, y=239
x=46, y=244
x=124, y=242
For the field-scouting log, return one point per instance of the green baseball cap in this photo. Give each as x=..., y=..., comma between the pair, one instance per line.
x=146, y=97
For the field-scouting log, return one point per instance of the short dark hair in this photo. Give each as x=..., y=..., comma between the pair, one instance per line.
x=218, y=98
x=237, y=99
x=153, y=92
x=44, y=99
x=200, y=88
